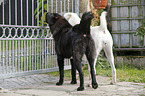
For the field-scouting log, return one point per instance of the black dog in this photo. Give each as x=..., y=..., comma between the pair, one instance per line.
x=73, y=42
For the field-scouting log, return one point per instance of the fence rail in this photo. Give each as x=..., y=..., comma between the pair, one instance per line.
x=27, y=46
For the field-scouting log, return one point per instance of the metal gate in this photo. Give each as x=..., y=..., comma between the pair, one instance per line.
x=127, y=16
x=26, y=45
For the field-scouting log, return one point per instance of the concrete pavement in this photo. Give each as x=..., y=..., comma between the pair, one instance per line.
x=47, y=87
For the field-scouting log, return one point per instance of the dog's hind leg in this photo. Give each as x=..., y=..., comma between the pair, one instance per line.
x=60, y=61
x=90, y=53
x=81, y=75
x=77, y=58
x=73, y=72
x=96, y=57
x=95, y=61
x=110, y=57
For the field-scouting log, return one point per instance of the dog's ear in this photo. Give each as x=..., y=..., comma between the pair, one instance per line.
x=68, y=16
x=56, y=15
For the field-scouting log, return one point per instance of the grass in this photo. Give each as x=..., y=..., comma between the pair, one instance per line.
x=128, y=75
x=126, y=72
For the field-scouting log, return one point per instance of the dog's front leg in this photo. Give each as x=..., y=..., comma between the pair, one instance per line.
x=73, y=72
x=60, y=62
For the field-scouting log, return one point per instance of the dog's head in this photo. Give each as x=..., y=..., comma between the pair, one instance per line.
x=67, y=16
x=51, y=18
x=72, y=18
x=70, y=15
x=87, y=16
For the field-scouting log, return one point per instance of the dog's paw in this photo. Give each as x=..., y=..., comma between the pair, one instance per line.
x=80, y=88
x=73, y=82
x=95, y=86
x=59, y=83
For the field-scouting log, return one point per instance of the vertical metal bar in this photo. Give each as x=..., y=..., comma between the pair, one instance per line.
x=9, y=12
x=32, y=12
x=19, y=55
x=52, y=56
x=47, y=6
x=51, y=6
x=56, y=6
x=35, y=54
x=32, y=50
x=47, y=48
x=10, y=66
x=61, y=7
x=3, y=56
x=42, y=13
x=13, y=56
x=21, y=13
x=49, y=60
x=68, y=5
x=40, y=54
x=43, y=49
x=30, y=55
x=6, y=56
x=64, y=7
x=77, y=6
x=3, y=12
x=0, y=59
x=72, y=6
x=37, y=12
x=27, y=13
x=45, y=52
x=16, y=57
x=22, y=55
x=15, y=12
x=27, y=54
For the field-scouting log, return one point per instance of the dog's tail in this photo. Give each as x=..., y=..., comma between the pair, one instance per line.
x=103, y=22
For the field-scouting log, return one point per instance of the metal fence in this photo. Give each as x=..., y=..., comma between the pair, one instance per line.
x=127, y=16
x=26, y=45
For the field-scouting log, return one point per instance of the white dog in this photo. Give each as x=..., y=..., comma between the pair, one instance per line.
x=102, y=39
